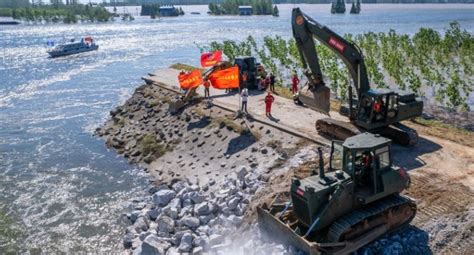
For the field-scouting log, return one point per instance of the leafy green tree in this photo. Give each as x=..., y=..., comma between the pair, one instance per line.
x=424, y=62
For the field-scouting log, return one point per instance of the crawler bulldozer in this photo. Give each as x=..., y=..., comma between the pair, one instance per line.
x=349, y=204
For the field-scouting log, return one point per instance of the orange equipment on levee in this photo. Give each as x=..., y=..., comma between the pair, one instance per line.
x=226, y=78
x=190, y=80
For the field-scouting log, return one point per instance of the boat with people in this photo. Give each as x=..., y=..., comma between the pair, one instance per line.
x=72, y=47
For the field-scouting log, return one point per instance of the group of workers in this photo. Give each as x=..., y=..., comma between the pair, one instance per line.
x=266, y=83
x=269, y=99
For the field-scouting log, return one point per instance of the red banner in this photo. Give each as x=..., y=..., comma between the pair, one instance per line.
x=211, y=58
x=190, y=80
x=225, y=79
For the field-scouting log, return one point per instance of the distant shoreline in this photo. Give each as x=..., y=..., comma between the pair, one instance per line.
x=324, y=2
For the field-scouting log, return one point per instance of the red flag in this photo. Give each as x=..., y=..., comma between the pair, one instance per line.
x=225, y=79
x=190, y=80
x=211, y=58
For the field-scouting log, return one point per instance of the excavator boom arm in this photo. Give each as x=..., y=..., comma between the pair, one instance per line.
x=304, y=29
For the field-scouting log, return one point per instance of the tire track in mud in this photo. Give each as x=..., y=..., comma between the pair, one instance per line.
x=436, y=196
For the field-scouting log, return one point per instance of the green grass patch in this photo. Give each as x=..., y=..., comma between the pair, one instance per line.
x=283, y=92
x=154, y=103
x=152, y=148
x=165, y=99
x=444, y=131
x=251, y=132
x=185, y=67
x=439, y=124
x=229, y=124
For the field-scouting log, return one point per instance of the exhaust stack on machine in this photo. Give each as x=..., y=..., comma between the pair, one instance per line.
x=321, y=163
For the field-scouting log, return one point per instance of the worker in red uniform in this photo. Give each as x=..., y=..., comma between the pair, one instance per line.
x=294, y=83
x=207, y=84
x=268, y=104
x=377, y=106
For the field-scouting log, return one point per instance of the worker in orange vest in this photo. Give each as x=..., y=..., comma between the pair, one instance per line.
x=269, y=99
x=207, y=84
x=244, y=80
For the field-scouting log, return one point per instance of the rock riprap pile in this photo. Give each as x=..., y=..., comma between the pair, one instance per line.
x=184, y=217
x=409, y=240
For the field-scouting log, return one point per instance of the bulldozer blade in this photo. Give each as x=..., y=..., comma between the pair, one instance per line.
x=317, y=99
x=283, y=233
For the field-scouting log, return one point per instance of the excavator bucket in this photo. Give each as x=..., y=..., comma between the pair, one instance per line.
x=317, y=99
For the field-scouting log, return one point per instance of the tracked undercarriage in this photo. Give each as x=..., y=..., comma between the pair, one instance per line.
x=341, y=130
x=347, y=234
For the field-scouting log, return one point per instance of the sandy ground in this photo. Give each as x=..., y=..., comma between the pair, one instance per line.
x=284, y=110
x=442, y=171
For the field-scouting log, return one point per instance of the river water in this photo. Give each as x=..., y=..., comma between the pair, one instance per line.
x=60, y=185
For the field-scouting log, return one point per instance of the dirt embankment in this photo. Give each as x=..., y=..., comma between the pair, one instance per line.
x=204, y=147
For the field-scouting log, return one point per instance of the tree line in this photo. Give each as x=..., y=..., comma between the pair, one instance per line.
x=442, y=65
x=231, y=7
x=188, y=2
x=58, y=13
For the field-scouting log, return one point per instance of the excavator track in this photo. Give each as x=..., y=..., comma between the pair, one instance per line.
x=340, y=130
x=401, y=134
x=394, y=211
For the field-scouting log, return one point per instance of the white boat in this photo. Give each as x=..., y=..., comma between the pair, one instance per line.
x=86, y=44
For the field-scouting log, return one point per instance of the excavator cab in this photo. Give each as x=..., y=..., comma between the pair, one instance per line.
x=378, y=107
